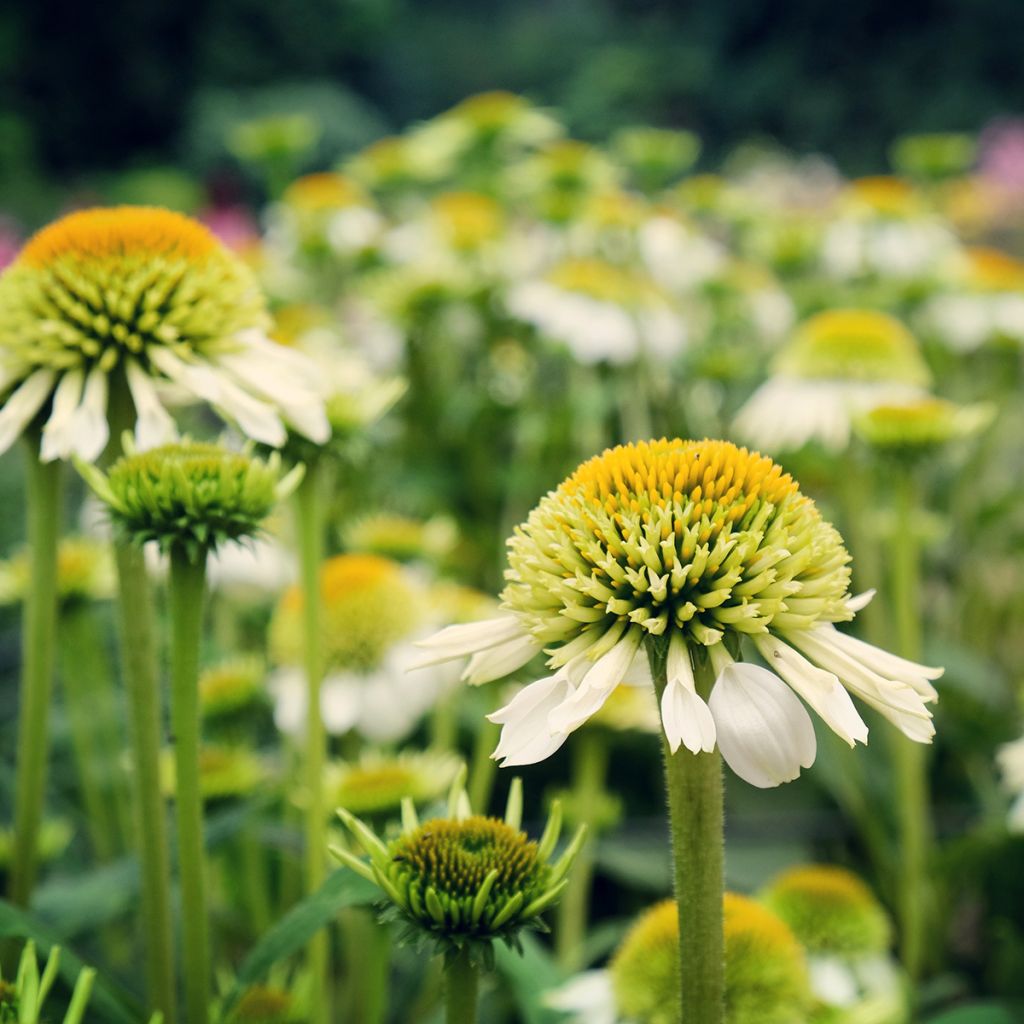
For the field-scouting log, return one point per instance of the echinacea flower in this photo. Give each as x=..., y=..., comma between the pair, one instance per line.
x=372, y=610
x=765, y=972
x=147, y=299
x=837, y=365
x=463, y=881
x=377, y=783
x=694, y=546
x=85, y=572
x=911, y=429
x=847, y=935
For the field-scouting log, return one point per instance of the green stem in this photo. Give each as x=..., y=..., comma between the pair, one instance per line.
x=185, y=598
x=254, y=879
x=92, y=718
x=589, y=773
x=38, y=642
x=462, y=981
x=142, y=683
x=310, y=529
x=910, y=758
x=482, y=768
x=695, y=803
x=369, y=958
x=444, y=722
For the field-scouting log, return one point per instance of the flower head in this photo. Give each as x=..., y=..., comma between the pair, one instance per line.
x=85, y=572
x=914, y=428
x=465, y=880
x=838, y=364
x=224, y=771
x=231, y=685
x=684, y=549
x=765, y=971
x=153, y=297
x=378, y=783
x=191, y=495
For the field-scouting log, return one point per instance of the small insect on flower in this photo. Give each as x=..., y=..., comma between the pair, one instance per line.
x=190, y=495
x=141, y=298
x=460, y=882
x=685, y=550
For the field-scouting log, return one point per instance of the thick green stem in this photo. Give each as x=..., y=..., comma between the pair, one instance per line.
x=482, y=767
x=92, y=717
x=910, y=758
x=369, y=963
x=37, y=656
x=142, y=684
x=695, y=803
x=185, y=596
x=589, y=773
x=310, y=529
x=462, y=981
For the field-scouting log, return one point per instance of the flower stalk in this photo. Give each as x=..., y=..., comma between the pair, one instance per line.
x=38, y=644
x=462, y=983
x=695, y=801
x=309, y=518
x=187, y=580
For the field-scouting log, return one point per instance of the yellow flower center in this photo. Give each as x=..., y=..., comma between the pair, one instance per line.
x=993, y=270
x=316, y=193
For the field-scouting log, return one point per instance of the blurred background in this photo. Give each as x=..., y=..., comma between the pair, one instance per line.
x=92, y=92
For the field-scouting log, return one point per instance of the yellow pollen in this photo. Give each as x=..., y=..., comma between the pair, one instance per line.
x=323, y=191
x=745, y=917
x=109, y=234
x=824, y=882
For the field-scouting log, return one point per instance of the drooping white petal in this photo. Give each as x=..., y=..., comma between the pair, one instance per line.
x=686, y=718
x=764, y=732
x=890, y=666
x=153, y=423
x=899, y=702
x=832, y=980
x=341, y=702
x=525, y=735
x=288, y=688
x=499, y=661
x=822, y=690
x=467, y=638
x=22, y=405
x=89, y=426
x=588, y=995
x=604, y=675
x=57, y=438
x=859, y=601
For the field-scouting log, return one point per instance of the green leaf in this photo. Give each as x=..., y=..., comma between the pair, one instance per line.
x=343, y=888
x=529, y=977
x=109, y=1004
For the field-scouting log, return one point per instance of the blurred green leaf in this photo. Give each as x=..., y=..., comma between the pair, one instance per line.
x=976, y=1013
x=529, y=977
x=108, y=1005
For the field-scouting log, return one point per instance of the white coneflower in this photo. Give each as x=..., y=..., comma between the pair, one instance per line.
x=838, y=364
x=600, y=312
x=698, y=545
x=1011, y=763
x=152, y=296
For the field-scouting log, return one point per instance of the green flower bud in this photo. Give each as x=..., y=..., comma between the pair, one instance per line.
x=192, y=495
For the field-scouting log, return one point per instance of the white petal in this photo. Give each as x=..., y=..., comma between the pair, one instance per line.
x=57, y=438
x=340, y=703
x=832, y=981
x=22, y=405
x=605, y=674
x=499, y=661
x=525, y=736
x=891, y=666
x=764, y=732
x=89, y=424
x=686, y=718
x=590, y=995
x=859, y=601
x=288, y=688
x=822, y=690
x=467, y=638
x=153, y=423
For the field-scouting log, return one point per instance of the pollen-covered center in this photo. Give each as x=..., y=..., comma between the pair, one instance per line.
x=700, y=536
x=100, y=285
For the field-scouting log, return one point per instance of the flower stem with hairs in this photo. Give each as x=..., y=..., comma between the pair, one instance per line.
x=310, y=528
x=39, y=640
x=185, y=592
x=695, y=803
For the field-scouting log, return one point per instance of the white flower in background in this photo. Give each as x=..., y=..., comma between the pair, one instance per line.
x=600, y=312
x=883, y=229
x=984, y=304
x=1011, y=763
x=691, y=547
x=257, y=569
x=677, y=255
x=838, y=365
x=141, y=297
x=372, y=613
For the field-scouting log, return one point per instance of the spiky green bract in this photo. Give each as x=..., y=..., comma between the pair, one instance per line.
x=765, y=972
x=459, y=883
x=830, y=910
x=22, y=1002
x=696, y=536
x=190, y=495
